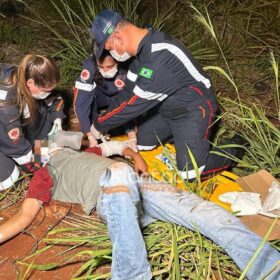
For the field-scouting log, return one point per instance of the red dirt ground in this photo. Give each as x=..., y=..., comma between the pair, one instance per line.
x=23, y=245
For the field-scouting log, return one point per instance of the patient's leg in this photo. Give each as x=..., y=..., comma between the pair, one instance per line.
x=162, y=201
x=119, y=206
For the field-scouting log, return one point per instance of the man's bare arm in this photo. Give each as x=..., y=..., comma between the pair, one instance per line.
x=21, y=220
x=140, y=165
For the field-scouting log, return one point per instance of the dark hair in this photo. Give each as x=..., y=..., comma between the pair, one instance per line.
x=98, y=78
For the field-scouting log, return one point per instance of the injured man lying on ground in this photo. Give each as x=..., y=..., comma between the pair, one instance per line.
x=126, y=202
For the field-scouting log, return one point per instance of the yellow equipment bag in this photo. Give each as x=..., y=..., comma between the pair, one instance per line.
x=162, y=166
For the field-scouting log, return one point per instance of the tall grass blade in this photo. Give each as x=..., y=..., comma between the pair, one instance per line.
x=275, y=67
x=207, y=23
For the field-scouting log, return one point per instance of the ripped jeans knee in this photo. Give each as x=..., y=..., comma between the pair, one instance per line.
x=118, y=186
x=119, y=207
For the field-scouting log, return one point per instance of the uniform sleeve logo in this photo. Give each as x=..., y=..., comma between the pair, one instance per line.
x=14, y=135
x=119, y=83
x=146, y=72
x=85, y=75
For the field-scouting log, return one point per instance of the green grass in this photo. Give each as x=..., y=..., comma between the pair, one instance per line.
x=174, y=252
x=71, y=31
x=12, y=34
x=12, y=195
x=249, y=121
x=261, y=134
x=238, y=44
x=275, y=67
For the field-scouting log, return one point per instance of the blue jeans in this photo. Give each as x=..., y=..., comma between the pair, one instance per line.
x=128, y=202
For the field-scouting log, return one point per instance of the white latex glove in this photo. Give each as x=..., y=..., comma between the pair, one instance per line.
x=92, y=141
x=132, y=144
x=110, y=148
x=56, y=126
x=95, y=133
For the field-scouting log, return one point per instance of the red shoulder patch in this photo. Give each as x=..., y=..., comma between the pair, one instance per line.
x=14, y=135
x=119, y=83
x=85, y=75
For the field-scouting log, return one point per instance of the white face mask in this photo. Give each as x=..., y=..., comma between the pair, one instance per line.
x=120, y=57
x=109, y=74
x=41, y=95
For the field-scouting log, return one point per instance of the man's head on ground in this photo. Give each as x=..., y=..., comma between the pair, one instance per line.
x=114, y=33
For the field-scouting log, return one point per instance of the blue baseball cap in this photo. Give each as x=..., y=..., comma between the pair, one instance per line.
x=103, y=26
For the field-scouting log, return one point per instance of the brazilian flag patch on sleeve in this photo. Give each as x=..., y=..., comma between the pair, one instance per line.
x=146, y=72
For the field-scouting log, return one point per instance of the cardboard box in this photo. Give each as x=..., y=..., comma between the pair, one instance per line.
x=259, y=183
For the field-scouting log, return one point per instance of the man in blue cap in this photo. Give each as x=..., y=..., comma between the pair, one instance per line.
x=167, y=83
x=165, y=80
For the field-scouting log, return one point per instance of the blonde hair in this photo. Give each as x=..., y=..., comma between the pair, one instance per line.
x=45, y=73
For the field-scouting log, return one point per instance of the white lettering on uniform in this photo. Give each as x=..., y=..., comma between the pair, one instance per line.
x=184, y=59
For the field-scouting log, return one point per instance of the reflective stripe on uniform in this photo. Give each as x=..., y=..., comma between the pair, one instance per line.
x=184, y=59
x=149, y=95
x=3, y=94
x=24, y=159
x=191, y=174
x=85, y=87
x=118, y=109
x=9, y=182
x=26, y=112
x=131, y=76
x=145, y=148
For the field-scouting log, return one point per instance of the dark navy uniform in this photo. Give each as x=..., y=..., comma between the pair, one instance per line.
x=16, y=139
x=48, y=110
x=166, y=82
x=13, y=145
x=89, y=96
